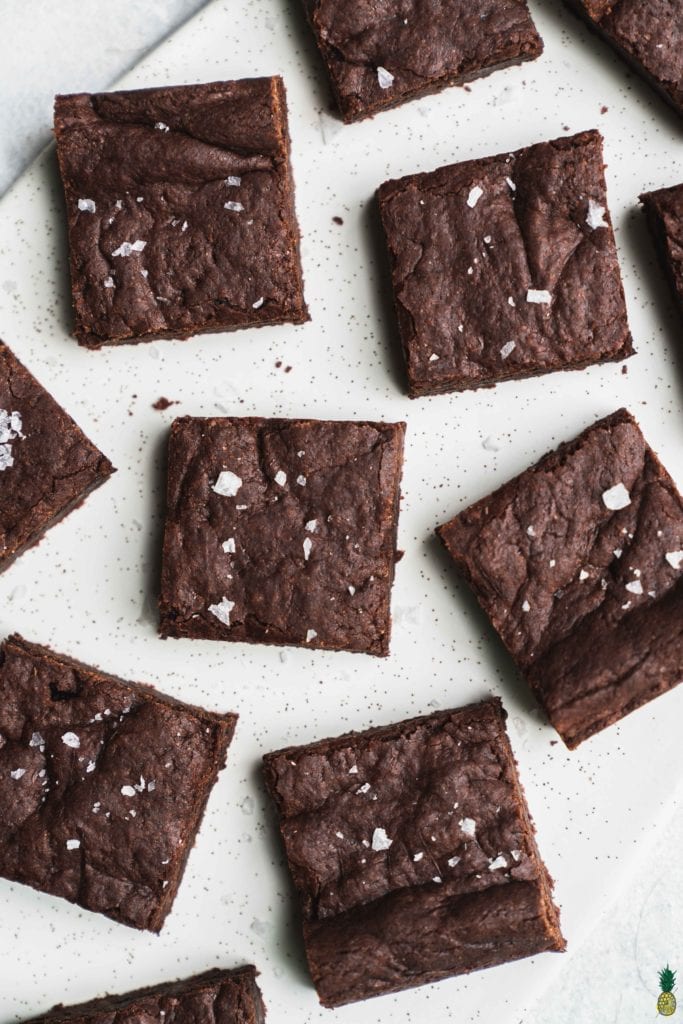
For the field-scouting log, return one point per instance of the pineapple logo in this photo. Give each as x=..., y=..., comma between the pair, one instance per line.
x=666, y=1004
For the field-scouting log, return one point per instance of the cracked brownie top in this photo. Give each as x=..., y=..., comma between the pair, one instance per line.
x=578, y=563
x=180, y=208
x=505, y=267
x=103, y=784
x=382, y=52
x=47, y=464
x=281, y=531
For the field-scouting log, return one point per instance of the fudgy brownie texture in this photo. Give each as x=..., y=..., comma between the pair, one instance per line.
x=282, y=531
x=180, y=207
x=413, y=854
x=47, y=464
x=103, y=784
x=664, y=210
x=505, y=267
x=646, y=33
x=379, y=53
x=578, y=563
x=216, y=997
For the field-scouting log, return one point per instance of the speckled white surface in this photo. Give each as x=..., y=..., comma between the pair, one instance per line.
x=90, y=588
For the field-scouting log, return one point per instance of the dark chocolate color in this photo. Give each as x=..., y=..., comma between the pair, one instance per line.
x=587, y=599
x=86, y=750
x=47, y=464
x=413, y=854
x=300, y=548
x=153, y=167
x=646, y=33
x=415, y=47
x=664, y=210
x=464, y=262
x=216, y=997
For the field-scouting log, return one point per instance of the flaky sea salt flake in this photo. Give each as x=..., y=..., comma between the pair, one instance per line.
x=475, y=195
x=380, y=840
x=616, y=498
x=385, y=78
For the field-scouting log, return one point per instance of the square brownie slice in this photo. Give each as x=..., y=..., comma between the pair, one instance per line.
x=218, y=997
x=103, y=784
x=664, y=211
x=413, y=853
x=282, y=532
x=47, y=464
x=180, y=208
x=648, y=34
x=578, y=564
x=381, y=54
x=505, y=267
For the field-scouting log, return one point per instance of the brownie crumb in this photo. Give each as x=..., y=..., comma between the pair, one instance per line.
x=288, y=369
x=278, y=364
x=164, y=403
x=624, y=368
x=603, y=109
x=338, y=220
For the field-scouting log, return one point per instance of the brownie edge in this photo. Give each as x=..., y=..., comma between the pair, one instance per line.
x=215, y=997
x=664, y=213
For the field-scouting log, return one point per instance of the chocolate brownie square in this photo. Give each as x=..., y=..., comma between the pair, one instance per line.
x=383, y=53
x=505, y=267
x=664, y=210
x=578, y=563
x=216, y=997
x=412, y=852
x=180, y=208
x=282, y=532
x=47, y=464
x=646, y=33
x=103, y=784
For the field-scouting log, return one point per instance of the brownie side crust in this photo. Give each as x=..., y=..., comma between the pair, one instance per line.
x=505, y=267
x=412, y=852
x=103, y=784
x=47, y=464
x=281, y=531
x=648, y=34
x=215, y=997
x=180, y=209
x=380, y=55
x=577, y=563
x=664, y=212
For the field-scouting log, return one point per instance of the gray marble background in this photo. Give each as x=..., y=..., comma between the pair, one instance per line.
x=87, y=44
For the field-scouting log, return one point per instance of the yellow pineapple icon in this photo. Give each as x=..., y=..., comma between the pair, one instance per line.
x=666, y=1004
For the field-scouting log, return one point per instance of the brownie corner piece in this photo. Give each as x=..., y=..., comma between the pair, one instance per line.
x=282, y=531
x=380, y=60
x=47, y=464
x=103, y=784
x=228, y=996
x=180, y=210
x=578, y=565
x=412, y=852
x=505, y=267
x=648, y=34
x=664, y=212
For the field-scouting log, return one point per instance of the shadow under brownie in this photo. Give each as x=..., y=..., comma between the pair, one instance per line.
x=47, y=464
x=505, y=267
x=103, y=784
x=412, y=852
x=215, y=997
x=381, y=54
x=578, y=564
x=282, y=531
x=180, y=209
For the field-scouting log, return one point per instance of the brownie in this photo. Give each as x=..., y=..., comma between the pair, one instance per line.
x=282, y=532
x=216, y=997
x=103, y=784
x=664, y=211
x=383, y=53
x=578, y=564
x=505, y=267
x=646, y=33
x=412, y=852
x=180, y=208
x=47, y=464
